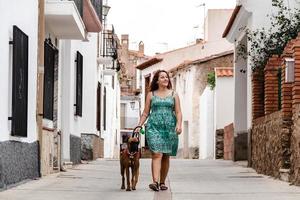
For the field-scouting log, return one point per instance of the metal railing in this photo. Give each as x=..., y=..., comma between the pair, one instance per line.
x=98, y=8
x=110, y=46
x=97, y=4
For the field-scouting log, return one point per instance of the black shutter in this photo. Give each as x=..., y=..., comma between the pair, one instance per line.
x=99, y=107
x=104, y=109
x=20, y=83
x=79, y=66
x=49, y=58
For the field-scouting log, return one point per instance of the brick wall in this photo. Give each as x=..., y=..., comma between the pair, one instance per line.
x=276, y=136
x=228, y=142
x=258, y=94
x=271, y=85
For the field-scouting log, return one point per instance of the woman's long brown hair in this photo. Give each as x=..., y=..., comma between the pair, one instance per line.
x=154, y=84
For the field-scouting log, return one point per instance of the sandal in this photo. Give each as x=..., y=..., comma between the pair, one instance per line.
x=154, y=186
x=163, y=186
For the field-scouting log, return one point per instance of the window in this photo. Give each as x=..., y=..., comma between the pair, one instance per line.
x=19, y=83
x=79, y=73
x=289, y=70
x=104, y=109
x=99, y=107
x=50, y=56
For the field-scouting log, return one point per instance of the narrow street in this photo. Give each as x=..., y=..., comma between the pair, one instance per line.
x=188, y=180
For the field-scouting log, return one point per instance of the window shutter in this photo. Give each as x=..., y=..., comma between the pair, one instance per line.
x=20, y=83
x=79, y=81
x=49, y=59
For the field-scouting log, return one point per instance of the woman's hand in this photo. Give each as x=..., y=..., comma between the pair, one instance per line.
x=178, y=129
x=133, y=139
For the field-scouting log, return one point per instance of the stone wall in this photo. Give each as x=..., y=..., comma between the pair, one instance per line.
x=240, y=146
x=267, y=145
x=90, y=146
x=75, y=149
x=295, y=148
x=101, y=148
x=18, y=161
x=219, y=143
x=228, y=142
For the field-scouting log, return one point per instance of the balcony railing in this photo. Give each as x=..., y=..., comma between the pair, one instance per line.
x=98, y=8
x=109, y=42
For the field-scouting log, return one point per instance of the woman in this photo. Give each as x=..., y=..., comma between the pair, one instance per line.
x=163, y=126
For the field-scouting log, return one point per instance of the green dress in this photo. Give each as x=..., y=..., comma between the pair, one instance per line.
x=161, y=134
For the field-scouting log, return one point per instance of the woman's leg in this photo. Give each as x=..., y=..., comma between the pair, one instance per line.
x=156, y=166
x=165, y=163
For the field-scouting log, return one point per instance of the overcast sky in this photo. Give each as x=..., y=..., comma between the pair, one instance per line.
x=161, y=24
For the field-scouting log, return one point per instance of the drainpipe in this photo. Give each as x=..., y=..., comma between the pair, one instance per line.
x=40, y=79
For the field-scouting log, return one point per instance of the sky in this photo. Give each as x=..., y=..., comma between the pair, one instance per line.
x=162, y=25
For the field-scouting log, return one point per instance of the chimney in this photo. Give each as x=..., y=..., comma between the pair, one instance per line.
x=141, y=48
x=125, y=41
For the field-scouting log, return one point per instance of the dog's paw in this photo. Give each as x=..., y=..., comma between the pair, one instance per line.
x=128, y=189
x=133, y=188
x=123, y=187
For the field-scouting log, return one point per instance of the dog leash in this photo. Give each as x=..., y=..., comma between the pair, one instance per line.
x=137, y=134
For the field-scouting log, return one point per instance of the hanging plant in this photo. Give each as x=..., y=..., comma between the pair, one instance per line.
x=211, y=80
x=285, y=25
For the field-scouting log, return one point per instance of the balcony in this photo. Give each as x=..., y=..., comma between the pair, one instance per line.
x=63, y=19
x=92, y=15
x=109, y=49
x=72, y=19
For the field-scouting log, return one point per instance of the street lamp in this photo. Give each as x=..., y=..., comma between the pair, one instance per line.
x=105, y=10
x=132, y=105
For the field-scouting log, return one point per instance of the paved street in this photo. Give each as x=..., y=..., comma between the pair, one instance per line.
x=188, y=180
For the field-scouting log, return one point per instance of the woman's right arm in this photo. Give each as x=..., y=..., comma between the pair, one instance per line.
x=146, y=111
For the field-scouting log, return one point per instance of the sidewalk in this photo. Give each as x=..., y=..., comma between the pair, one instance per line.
x=189, y=180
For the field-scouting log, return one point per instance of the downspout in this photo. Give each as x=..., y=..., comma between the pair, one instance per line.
x=40, y=80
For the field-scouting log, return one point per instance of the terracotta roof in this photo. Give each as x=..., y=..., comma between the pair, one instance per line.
x=198, y=61
x=148, y=63
x=231, y=20
x=224, y=72
x=137, y=54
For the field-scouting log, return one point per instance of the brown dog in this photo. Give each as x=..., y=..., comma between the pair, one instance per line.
x=130, y=158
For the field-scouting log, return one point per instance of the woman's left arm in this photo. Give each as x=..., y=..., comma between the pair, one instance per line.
x=178, y=115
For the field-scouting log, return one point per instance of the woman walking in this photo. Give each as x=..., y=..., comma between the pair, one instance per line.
x=163, y=126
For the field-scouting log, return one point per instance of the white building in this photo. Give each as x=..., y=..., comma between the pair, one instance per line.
x=54, y=88
x=246, y=15
x=18, y=82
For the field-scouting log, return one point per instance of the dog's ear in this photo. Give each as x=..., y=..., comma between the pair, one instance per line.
x=125, y=138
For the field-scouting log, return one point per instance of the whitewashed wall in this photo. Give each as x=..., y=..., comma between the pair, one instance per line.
x=23, y=14
x=112, y=133
x=207, y=134
x=69, y=123
x=224, y=98
x=131, y=114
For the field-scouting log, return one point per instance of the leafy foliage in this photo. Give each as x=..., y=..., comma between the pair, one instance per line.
x=285, y=25
x=211, y=80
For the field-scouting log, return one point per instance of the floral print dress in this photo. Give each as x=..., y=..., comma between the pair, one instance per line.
x=160, y=131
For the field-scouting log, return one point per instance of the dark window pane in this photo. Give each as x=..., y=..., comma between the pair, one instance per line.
x=79, y=81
